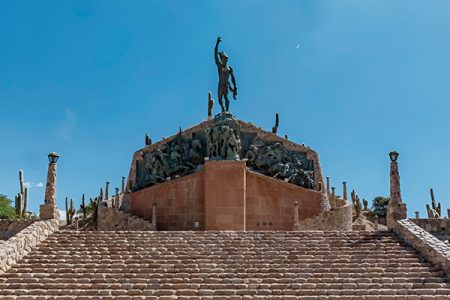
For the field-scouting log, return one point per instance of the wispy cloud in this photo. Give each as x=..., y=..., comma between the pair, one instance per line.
x=297, y=47
x=28, y=184
x=62, y=215
x=67, y=126
x=39, y=184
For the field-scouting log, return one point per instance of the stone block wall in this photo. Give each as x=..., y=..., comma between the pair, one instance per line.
x=432, y=248
x=433, y=225
x=179, y=203
x=270, y=203
x=23, y=242
x=112, y=219
x=339, y=219
x=10, y=227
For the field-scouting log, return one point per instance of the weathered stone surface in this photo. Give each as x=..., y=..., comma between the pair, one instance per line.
x=10, y=227
x=23, y=242
x=431, y=247
x=224, y=265
x=339, y=218
x=110, y=217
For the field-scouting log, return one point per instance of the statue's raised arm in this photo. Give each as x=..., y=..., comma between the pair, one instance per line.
x=216, y=51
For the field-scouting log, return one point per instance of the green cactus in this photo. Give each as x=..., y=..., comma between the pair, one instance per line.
x=365, y=203
x=353, y=195
x=435, y=210
x=70, y=212
x=277, y=121
x=21, y=200
x=94, y=205
x=83, y=207
x=358, y=208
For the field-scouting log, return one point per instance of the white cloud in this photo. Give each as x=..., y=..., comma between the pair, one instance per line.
x=27, y=184
x=39, y=184
x=298, y=46
x=62, y=215
x=66, y=127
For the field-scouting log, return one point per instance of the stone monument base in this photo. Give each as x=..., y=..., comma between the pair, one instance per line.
x=48, y=212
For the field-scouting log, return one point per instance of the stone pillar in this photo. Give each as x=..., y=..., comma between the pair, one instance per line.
x=396, y=209
x=448, y=213
x=224, y=194
x=333, y=192
x=417, y=215
x=154, y=226
x=328, y=186
x=107, y=191
x=296, y=219
x=344, y=190
x=123, y=184
x=376, y=222
x=48, y=210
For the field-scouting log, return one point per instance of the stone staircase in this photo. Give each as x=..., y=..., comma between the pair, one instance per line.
x=224, y=265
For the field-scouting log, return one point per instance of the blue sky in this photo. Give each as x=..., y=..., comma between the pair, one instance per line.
x=351, y=79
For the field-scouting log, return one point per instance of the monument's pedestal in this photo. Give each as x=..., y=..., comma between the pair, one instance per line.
x=48, y=212
x=224, y=188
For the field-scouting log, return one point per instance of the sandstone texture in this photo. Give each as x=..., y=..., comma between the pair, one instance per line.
x=432, y=248
x=224, y=265
x=10, y=227
x=23, y=242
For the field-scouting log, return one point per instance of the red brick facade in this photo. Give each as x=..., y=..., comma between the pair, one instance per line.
x=225, y=196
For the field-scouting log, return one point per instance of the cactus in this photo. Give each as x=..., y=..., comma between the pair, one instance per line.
x=148, y=140
x=70, y=212
x=210, y=104
x=365, y=203
x=435, y=210
x=83, y=207
x=277, y=121
x=101, y=194
x=353, y=195
x=21, y=200
x=357, y=208
x=94, y=204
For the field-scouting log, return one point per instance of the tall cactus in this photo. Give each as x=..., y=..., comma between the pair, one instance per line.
x=365, y=203
x=21, y=200
x=70, y=211
x=83, y=207
x=277, y=121
x=435, y=210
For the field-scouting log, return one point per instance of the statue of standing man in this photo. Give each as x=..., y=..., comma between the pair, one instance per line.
x=225, y=72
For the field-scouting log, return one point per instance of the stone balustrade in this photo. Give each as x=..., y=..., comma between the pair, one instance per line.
x=432, y=248
x=10, y=227
x=23, y=242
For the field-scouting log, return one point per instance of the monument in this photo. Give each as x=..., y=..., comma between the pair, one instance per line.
x=225, y=173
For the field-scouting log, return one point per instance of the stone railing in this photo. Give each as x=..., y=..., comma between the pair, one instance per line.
x=10, y=227
x=23, y=242
x=111, y=218
x=432, y=248
x=433, y=225
x=339, y=218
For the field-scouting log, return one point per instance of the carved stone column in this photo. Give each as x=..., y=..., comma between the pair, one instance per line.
x=328, y=186
x=123, y=184
x=48, y=210
x=396, y=209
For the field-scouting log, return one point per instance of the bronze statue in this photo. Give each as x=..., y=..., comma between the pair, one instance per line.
x=225, y=72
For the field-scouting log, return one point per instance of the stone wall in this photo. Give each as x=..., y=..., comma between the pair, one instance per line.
x=10, y=227
x=23, y=242
x=112, y=219
x=432, y=248
x=433, y=225
x=179, y=203
x=270, y=203
x=339, y=219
